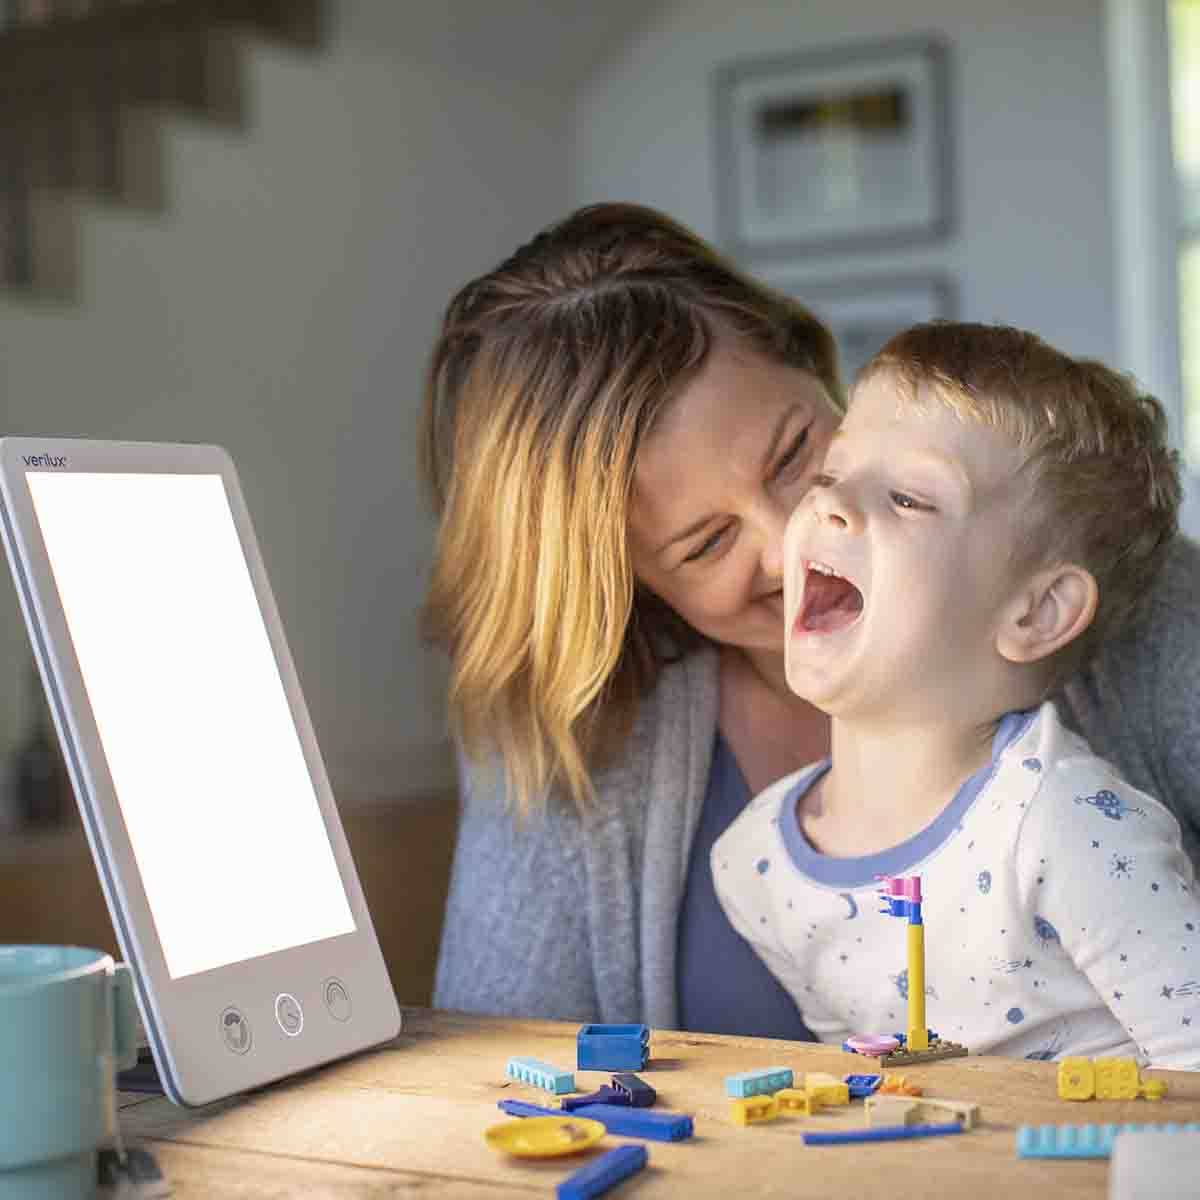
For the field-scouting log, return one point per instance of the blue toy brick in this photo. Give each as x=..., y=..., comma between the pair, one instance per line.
x=612, y=1047
x=539, y=1074
x=861, y=1086
x=1083, y=1141
x=880, y=1133
x=608, y=1170
x=618, y=1119
x=603, y=1095
x=758, y=1083
x=637, y=1092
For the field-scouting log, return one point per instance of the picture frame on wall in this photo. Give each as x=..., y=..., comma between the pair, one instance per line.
x=863, y=313
x=834, y=149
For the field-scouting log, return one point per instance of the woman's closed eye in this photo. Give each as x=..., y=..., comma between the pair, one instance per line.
x=788, y=458
x=707, y=546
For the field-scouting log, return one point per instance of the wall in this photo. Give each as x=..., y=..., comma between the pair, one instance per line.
x=1033, y=238
x=283, y=303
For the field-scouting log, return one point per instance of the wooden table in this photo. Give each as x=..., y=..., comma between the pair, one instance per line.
x=408, y=1118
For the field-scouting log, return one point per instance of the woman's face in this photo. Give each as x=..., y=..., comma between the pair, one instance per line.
x=714, y=485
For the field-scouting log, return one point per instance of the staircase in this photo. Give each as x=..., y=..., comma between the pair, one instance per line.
x=84, y=85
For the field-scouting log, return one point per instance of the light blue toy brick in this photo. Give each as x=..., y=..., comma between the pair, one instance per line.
x=758, y=1083
x=1083, y=1141
x=541, y=1075
x=612, y=1047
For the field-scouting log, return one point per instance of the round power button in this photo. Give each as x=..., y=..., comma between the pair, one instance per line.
x=337, y=1000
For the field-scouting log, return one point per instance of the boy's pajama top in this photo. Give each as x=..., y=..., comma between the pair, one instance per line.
x=1061, y=913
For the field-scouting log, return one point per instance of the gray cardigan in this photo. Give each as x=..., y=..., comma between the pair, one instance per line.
x=575, y=918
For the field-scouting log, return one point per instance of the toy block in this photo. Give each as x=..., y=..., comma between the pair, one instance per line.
x=827, y=1090
x=1116, y=1078
x=937, y=1049
x=619, y=1119
x=637, y=1092
x=612, y=1047
x=1083, y=1141
x=752, y=1109
x=891, y=1110
x=754, y=1083
x=861, y=1086
x=880, y=1133
x=602, y=1173
x=898, y=1085
x=541, y=1075
x=603, y=1095
x=905, y=1110
x=1076, y=1079
x=1105, y=1079
x=797, y=1100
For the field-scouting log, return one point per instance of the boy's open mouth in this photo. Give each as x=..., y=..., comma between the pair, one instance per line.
x=829, y=602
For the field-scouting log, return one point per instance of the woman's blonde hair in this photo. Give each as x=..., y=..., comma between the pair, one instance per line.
x=1103, y=482
x=545, y=378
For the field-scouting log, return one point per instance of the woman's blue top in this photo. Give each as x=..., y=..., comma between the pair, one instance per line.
x=723, y=986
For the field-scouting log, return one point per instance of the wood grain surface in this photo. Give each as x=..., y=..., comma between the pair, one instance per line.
x=409, y=1118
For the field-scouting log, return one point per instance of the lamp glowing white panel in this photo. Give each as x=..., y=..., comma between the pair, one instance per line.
x=194, y=761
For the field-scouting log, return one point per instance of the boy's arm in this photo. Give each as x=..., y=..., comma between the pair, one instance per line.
x=1102, y=871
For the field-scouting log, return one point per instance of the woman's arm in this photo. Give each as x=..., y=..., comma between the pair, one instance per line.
x=1138, y=702
x=515, y=941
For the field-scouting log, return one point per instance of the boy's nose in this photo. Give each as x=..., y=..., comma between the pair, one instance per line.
x=833, y=506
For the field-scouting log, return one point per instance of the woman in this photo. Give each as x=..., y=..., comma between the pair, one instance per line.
x=617, y=426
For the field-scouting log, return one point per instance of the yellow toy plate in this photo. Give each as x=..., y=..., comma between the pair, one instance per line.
x=544, y=1137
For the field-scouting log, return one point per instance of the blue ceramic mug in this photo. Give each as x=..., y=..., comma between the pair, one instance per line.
x=67, y=1023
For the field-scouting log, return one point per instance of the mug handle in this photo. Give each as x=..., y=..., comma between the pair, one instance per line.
x=125, y=1022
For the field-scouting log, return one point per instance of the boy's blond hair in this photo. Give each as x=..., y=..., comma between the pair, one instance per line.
x=1104, y=485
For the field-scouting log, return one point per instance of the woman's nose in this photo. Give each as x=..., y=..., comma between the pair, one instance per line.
x=774, y=527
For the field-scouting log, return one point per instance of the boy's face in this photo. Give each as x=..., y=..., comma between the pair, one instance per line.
x=910, y=525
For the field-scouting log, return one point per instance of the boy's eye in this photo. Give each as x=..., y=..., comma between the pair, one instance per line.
x=709, y=544
x=911, y=503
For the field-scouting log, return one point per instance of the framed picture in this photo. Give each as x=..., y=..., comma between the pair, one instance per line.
x=864, y=313
x=838, y=149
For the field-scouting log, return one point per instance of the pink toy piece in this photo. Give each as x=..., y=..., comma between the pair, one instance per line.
x=872, y=1044
x=905, y=887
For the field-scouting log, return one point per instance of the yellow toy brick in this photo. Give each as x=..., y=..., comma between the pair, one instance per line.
x=797, y=1100
x=826, y=1089
x=1116, y=1078
x=1076, y=1079
x=753, y=1109
x=1105, y=1079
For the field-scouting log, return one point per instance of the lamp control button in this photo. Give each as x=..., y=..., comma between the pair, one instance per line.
x=235, y=1030
x=337, y=1000
x=289, y=1014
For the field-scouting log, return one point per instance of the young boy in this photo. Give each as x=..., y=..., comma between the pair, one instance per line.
x=988, y=511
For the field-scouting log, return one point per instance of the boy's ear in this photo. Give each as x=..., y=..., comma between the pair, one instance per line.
x=1051, y=610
